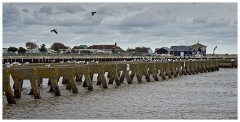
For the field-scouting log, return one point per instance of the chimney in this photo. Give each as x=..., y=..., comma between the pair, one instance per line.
x=115, y=44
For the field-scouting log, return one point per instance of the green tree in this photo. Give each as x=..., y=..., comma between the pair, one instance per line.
x=43, y=48
x=22, y=50
x=130, y=49
x=12, y=49
x=56, y=46
x=141, y=49
x=31, y=45
x=85, y=52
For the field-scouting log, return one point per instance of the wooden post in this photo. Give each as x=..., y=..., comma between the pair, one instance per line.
x=35, y=88
x=79, y=78
x=88, y=82
x=7, y=88
x=139, y=77
x=17, y=88
x=102, y=79
x=73, y=84
x=147, y=76
x=116, y=78
x=55, y=87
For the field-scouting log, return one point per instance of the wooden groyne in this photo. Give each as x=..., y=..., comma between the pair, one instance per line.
x=118, y=72
x=227, y=63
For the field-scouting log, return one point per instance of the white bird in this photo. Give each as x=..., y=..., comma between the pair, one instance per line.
x=47, y=65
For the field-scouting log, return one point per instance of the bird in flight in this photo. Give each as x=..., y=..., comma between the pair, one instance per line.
x=93, y=13
x=54, y=30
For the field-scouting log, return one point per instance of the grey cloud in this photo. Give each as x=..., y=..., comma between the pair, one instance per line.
x=149, y=24
x=70, y=8
x=25, y=10
x=46, y=10
x=10, y=14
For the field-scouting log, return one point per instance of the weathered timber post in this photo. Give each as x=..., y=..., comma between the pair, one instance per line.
x=111, y=78
x=152, y=70
x=180, y=67
x=187, y=65
x=17, y=88
x=7, y=88
x=125, y=72
x=192, y=67
x=204, y=69
x=18, y=74
x=103, y=80
x=68, y=73
x=35, y=87
x=142, y=67
x=79, y=78
x=167, y=69
x=88, y=82
x=51, y=73
x=184, y=68
x=162, y=70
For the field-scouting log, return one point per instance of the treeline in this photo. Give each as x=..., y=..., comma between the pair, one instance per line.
x=31, y=45
x=57, y=46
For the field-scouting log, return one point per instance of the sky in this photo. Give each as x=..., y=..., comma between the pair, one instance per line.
x=130, y=25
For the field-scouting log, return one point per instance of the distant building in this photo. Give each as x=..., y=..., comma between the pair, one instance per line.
x=163, y=50
x=181, y=50
x=4, y=50
x=149, y=51
x=110, y=49
x=33, y=51
x=199, y=49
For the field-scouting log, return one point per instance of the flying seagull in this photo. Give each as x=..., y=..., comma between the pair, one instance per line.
x=54, y=30
x=93, y=13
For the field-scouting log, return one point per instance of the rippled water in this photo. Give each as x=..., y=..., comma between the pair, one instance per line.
x=203, y=96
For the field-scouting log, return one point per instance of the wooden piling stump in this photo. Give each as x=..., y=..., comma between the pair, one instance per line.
x=7, y=88
x=55, y=87
x=35, y=88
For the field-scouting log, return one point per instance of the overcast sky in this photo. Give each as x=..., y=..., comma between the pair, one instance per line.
x=130, y=25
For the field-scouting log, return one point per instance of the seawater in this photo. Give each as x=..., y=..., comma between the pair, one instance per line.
x=211, y=95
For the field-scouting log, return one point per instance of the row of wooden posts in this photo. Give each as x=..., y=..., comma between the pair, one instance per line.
x=118, y=72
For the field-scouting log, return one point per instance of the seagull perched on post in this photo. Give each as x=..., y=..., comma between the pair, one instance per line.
x=54, y=30
x=93, y=13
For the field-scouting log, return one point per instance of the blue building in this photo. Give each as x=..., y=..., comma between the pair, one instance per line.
x=181, y=50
